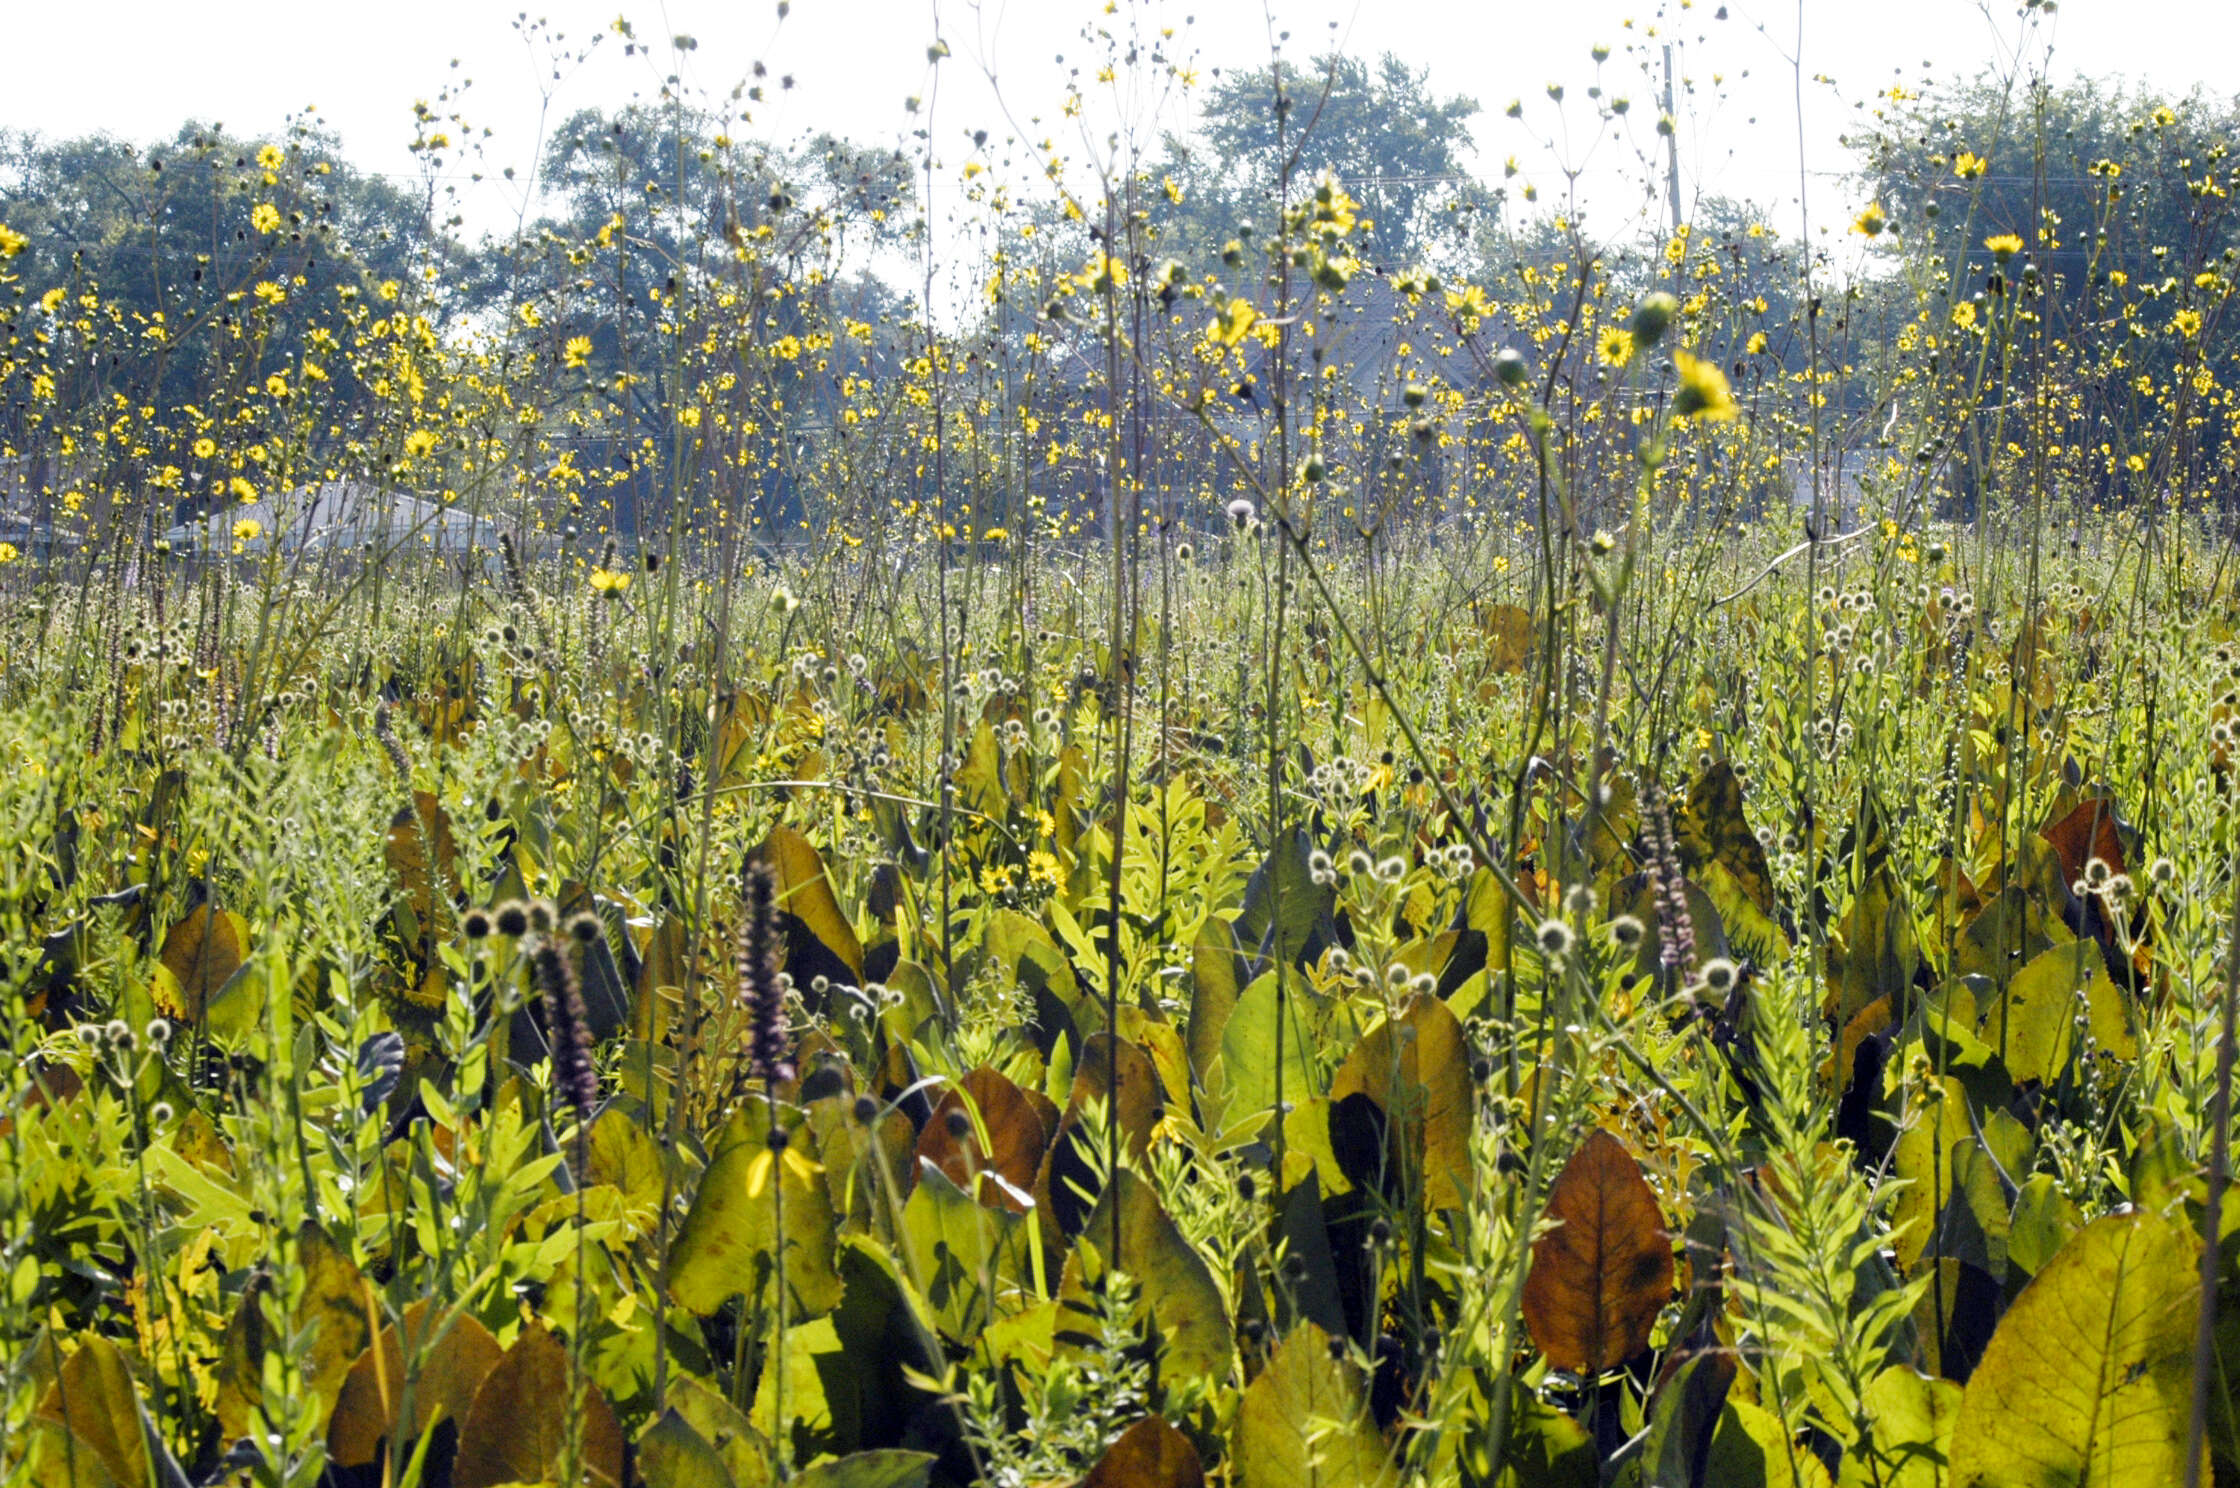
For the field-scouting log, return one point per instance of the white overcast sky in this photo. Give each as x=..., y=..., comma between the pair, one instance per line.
x=137, y=69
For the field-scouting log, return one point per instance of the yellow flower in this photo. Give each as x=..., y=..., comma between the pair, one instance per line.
x=2003, y=246
x=609, y=582
x=1964, y=315
x=1757, y=343
x=8, y=553
x=1968, y=165
x=265, y=217
x=241, y=490
x=248, y=529
x=577, y=353
x=2186, y=323
x=1703, y=392
x=11, y=241
x=419, y=442
x=1231, y=325
x=1871, y=222
x=1616, y=346
x=270, y=157
x=205, y=447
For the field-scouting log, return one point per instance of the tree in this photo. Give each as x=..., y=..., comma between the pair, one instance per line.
x=1399, y=150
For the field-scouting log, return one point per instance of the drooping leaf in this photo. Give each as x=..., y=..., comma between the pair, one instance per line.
x=1286, y=914
x=1149, y=1454
x=1712, y=829
x=1683, y=1415
x=517, y=1429
x=820, y=941
x=1877, y=951
x=1304, y=1423
x=2088, y=1379
x=1599, y=1279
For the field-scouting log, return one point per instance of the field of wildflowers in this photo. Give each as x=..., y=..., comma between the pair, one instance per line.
x=1348, y=832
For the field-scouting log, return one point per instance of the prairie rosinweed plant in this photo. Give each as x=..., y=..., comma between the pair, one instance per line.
x=1297, y=820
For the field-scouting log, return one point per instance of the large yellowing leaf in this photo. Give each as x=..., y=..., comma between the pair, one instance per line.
x=2087, y=1381
x=1178, y=1303
x=200, y=954
x=727, y=1245
x=1600, y=1277
x=1416, y=1066
x=1303, y=1423
x=94, y=1401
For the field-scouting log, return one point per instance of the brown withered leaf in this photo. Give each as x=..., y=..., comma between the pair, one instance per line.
x=450, y=1370
x=2091, y=830
x=517, y=1429
x=1599, y=1279
x=1016, y=1137
x=1149, y=1454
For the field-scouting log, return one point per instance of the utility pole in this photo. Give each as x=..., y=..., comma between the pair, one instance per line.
x=1671, y=143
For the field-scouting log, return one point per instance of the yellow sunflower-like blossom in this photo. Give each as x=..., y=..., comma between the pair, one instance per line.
x=1233, y=323
x=1703, y=391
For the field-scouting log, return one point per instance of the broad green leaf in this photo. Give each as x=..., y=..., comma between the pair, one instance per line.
x=1909, y=1441
x=886, y=1468
x=959, y=1250
x=1247, y=1087
x=1751, y=1449
x=726, y=1247
x=2087, y=1380
x=673, y=1455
